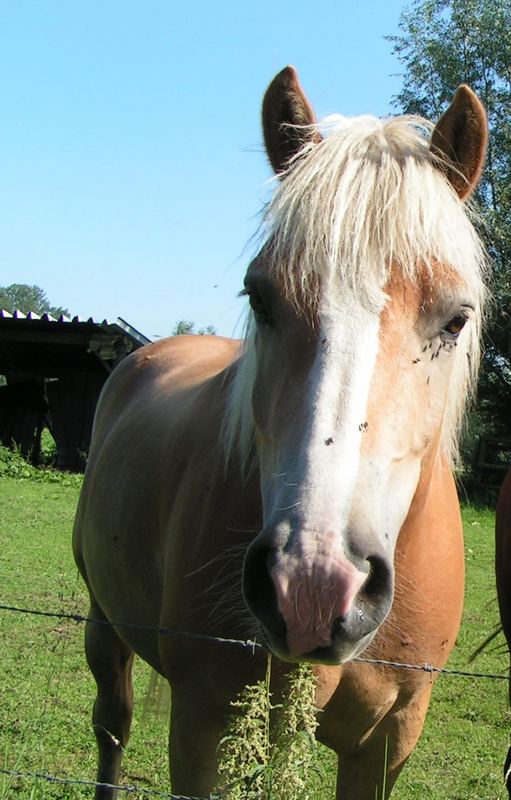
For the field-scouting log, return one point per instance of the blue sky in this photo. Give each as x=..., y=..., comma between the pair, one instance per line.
x=131, y=166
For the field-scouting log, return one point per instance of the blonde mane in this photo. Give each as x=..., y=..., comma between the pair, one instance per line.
x=367, y=198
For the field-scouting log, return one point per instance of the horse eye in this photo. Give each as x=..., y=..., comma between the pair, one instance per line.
x=455, y=326
x=258, y=307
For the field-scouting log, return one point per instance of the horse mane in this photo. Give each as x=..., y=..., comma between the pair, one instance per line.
x=368, y=198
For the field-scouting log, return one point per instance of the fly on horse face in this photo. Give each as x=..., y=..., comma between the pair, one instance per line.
x=296, y=486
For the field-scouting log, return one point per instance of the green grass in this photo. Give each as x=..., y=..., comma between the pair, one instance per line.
x=46, y=691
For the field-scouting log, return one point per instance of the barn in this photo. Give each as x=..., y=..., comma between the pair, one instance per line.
x=53, y=372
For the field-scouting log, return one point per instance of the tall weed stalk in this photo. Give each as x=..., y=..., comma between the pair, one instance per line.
x=258, y=763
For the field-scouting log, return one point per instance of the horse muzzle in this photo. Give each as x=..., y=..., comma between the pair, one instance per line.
x=317, y=606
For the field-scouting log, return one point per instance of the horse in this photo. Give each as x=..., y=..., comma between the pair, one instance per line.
x=503, y=577
x=295, y=486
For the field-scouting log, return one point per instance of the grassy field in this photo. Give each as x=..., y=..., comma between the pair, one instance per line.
x=46, y=691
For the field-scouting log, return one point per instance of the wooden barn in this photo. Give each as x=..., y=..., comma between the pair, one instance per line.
x=54, y=370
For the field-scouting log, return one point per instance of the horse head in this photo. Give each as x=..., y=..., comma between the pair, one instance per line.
x=365, y=304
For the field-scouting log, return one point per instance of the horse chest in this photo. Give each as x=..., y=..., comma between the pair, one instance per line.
x=355, y=706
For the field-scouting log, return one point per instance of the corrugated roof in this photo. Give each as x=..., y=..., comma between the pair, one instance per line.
x=119, y=326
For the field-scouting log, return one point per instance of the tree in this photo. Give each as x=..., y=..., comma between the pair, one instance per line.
x=25, y=298
x=444, y=43
x=209, y=330
x=185, y=326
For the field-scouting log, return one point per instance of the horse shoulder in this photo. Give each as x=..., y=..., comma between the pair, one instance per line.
x=157, y=409
x=153, y=376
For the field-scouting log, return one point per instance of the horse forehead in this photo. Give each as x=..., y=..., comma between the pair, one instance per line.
x=389, y=330
x=360, y=309
x=422, y=289
x=404, y=300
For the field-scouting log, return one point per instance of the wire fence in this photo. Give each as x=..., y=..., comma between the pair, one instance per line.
x=248, y=644
x=42, y=776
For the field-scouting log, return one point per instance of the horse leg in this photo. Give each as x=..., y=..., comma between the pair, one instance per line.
x=195, y=731
x=110, y=661
x=370, y=771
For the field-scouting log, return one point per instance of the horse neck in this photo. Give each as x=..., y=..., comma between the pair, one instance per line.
x=436, y=487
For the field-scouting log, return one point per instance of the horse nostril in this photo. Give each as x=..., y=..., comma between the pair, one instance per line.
x=256, y=576
x=370, y=606
x=379, y=581
x=338, y=626
x=259, y=589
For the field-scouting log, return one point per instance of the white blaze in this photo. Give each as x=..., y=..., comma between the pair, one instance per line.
x=327, y=461
x=313, y=497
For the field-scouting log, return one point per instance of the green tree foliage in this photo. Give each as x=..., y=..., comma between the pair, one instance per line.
x=443, y=43
x=25, y=298
x=185, y=326
x=209, y=330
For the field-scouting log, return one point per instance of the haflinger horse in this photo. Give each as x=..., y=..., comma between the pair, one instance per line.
x=503, y=575
x=296, y=486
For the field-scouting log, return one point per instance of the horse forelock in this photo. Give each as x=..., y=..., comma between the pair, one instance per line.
x=367, y=196
x=368, y=200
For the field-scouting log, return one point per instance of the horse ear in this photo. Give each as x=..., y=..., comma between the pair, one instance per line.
x=460, y=140
x=285, y=107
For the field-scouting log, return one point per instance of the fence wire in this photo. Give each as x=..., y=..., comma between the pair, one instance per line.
x=133, y=625
x=162, y=631
x=248, y=643
x=42, y=776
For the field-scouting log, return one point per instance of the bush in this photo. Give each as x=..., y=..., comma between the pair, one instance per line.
x=13, y=465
